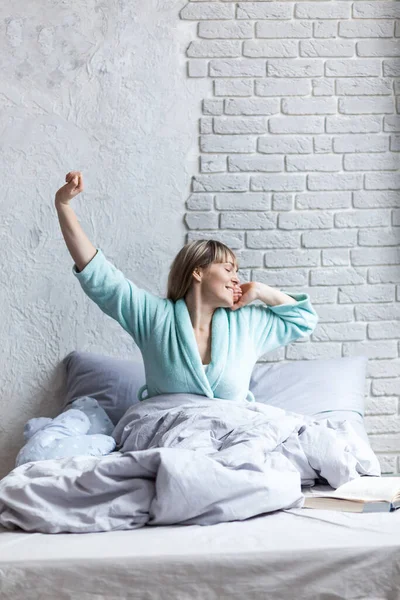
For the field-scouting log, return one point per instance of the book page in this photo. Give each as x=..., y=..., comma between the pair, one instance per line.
x=367, y=488
x=345, y=505
x=333, y=504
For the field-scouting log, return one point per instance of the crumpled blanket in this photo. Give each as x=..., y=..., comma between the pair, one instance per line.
x=188, y=459
x=83, y=429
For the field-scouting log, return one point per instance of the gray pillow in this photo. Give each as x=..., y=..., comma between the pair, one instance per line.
x=113, y=382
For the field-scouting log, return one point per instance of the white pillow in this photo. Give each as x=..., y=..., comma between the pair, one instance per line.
x=324, y=388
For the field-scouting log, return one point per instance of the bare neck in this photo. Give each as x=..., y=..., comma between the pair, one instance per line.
x=200, y=312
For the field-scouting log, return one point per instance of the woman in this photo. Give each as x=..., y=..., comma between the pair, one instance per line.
x=205, y=337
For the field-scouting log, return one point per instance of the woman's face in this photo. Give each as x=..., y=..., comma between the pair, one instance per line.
x=218, y=282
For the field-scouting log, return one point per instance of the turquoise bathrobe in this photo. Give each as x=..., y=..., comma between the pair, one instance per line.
x=163, y=331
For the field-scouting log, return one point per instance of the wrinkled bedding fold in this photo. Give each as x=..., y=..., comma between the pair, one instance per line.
x=188, y=459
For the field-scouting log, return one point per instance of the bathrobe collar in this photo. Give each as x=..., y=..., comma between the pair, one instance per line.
x=208, y=382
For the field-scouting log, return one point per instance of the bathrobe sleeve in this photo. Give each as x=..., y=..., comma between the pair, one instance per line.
x=135, y=309
x=275, y=326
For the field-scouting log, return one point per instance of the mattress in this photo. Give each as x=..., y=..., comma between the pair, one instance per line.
x=287, y=554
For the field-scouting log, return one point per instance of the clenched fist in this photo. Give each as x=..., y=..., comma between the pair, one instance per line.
x=72, y=188
x=249, y=292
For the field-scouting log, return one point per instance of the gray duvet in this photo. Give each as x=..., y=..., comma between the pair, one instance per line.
x=188, y=459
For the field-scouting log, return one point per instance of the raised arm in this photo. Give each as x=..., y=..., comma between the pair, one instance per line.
x=78, y=244
x=280, y=324
x=136, y=310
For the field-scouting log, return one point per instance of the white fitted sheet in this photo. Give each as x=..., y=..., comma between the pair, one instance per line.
x=321, y=554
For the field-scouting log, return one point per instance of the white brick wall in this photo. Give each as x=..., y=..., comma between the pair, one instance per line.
x=299, y=172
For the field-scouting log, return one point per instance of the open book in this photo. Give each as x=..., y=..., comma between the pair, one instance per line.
x=363, y=494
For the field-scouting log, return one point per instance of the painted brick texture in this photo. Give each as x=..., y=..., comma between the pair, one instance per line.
x=299, y=143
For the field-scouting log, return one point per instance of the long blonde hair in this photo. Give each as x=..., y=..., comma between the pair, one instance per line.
x=199, y=253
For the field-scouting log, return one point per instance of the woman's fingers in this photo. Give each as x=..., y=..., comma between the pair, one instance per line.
x=74, y=180
x=72, y=187
x=237, y=291
x=72, y=175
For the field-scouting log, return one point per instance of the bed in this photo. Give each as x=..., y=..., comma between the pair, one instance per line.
x=292, y=553
x=298, y=553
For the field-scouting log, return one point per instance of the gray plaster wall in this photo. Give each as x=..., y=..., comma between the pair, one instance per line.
x=99, y=87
